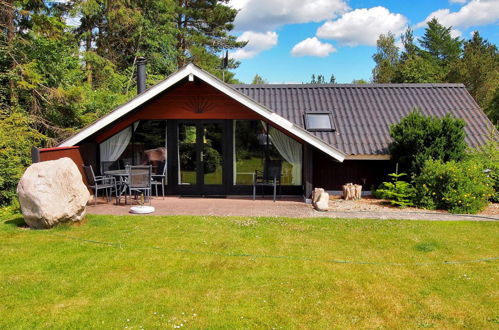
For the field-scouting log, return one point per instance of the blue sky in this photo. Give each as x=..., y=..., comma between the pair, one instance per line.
x=289, y=40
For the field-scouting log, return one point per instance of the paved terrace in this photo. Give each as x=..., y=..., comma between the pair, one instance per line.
x=284, y=207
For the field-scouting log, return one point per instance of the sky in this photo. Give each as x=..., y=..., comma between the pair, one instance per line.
x=289, y=40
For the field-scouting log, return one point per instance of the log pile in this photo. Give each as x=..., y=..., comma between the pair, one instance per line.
x=352, y=191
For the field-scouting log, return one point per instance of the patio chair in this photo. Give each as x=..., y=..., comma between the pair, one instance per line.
x=160, y=178
x=270, y=177
x=96, y=183
x=107, y=165
x=139, y=181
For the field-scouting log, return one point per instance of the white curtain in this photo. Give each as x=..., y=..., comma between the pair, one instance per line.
x=112, y=148
x=290, y=150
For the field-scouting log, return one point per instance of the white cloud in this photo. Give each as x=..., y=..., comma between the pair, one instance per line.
x=475, y=13
x=454, y=33
x=257, y=42
x=363, y=26
x=267, y=15
x=458, y=1
x=312, y=47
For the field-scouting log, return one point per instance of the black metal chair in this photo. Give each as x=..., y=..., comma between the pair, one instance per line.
x=108, y=165
x=139, y=181
x=97, y=183
x=270, y=177
x=159, y=179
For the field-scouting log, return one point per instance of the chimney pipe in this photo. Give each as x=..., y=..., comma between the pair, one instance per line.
x=141, y=75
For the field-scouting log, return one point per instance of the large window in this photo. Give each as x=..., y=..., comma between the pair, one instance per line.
x=254, y=142
x=143, y=142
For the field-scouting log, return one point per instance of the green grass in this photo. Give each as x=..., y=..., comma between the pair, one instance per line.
x=213, y=272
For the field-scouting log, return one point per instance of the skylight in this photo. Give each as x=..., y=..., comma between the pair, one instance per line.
x=319, y=121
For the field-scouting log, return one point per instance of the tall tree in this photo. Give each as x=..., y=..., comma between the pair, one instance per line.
x=478, y=69
x=386, y=59
x=439, y=45
x=203, y=28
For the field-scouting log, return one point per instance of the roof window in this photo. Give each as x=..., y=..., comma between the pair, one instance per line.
x=319, y=121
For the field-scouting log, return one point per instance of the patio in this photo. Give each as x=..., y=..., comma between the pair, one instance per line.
x=290, y=207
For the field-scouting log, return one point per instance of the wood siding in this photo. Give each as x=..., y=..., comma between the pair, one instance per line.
x=331, y=175
x=71, y=152
x=188, y=100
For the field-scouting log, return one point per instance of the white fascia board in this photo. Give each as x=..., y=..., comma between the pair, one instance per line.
x=126, y=108
x=190, y=70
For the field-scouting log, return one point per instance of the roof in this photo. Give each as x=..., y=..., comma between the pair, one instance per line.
x=363, y=113
x=191, y=72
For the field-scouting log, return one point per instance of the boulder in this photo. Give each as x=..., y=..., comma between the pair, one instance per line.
x=320, y=200
x=52, y=192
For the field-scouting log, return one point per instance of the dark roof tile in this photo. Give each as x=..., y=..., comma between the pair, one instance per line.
x=363, y=113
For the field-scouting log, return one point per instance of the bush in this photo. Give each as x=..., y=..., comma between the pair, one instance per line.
x=418, y=138
x=487, y=156
x=459, y=187
x=16, y=140
x=399, y=193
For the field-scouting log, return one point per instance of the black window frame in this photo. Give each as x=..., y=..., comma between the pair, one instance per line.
x=307, y=125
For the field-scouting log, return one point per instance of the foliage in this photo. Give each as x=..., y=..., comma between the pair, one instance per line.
x=399, y=193
x=321, y=79
x=16, y=139
x=386, y=59
x=442, y=58
x=418, y=138
x=460, y=187
x=492, y=108
x=360, y=81
x=439, y=45
x=257, y=79
x=487, y=156
x=478, y=69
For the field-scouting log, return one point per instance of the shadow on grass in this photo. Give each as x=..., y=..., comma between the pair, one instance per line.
x=16, y=222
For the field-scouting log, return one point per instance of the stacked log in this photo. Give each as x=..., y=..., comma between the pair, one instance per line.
x=352, y=191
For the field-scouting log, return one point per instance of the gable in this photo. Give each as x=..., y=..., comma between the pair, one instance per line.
x=185, y=100
x=192, y=74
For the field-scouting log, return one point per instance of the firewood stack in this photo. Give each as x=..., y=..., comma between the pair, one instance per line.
x=352, y=191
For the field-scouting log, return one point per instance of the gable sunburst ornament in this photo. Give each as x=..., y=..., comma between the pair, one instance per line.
x=199, y=104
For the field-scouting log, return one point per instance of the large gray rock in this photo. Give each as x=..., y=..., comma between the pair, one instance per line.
x=52, y=192
x=320, y=199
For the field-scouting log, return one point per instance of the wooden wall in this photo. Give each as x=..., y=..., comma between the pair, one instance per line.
x=60, y=152
x=331, y=175
x=187, y=100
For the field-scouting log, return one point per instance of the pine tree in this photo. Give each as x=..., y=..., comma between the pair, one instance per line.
x=439, y=45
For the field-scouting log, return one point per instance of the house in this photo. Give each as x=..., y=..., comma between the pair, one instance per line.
x=210, y=137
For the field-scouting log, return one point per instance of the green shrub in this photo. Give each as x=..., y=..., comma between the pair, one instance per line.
x=487, y=156
x=459, y=187
x=418, y=138
x=16, y=140
x=399, y=193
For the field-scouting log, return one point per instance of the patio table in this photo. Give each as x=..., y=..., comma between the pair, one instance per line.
x=121, y=176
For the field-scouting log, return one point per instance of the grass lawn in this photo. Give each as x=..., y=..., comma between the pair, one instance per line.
x=212, y=272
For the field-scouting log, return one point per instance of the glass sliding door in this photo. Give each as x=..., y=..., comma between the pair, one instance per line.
x=212, y=153
x=187, y=154
x=201, y=157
